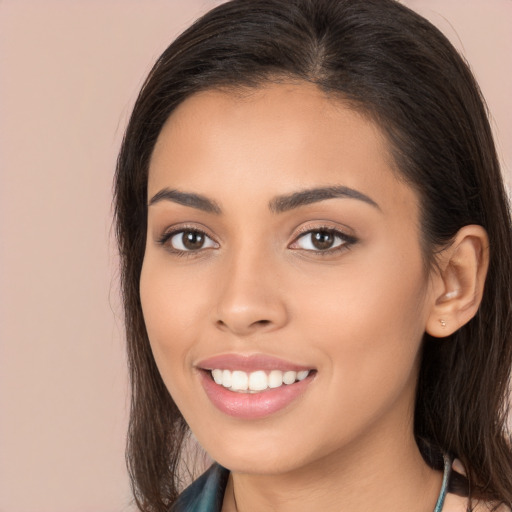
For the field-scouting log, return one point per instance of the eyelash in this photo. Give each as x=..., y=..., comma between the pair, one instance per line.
x=165, y=239
x=346, y=241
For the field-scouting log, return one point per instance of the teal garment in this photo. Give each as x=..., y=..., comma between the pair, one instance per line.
x=204, y=494
x=207, y=492
x=444, y=487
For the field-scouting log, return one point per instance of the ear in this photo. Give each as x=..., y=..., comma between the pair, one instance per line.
x=459, y=283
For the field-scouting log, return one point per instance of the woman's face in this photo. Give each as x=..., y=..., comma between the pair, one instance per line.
x=282, y=245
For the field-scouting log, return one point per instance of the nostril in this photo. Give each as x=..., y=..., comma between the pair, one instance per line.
x=261, y=322
x=248, y=326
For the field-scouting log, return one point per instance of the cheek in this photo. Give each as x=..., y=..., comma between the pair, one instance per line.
x=370, y=320
x=172, y=309
x=370, y=292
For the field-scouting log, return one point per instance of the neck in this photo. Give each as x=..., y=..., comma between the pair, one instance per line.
x=376, y=472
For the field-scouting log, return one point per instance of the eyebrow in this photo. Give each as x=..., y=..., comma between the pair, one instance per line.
x=186, y=199
x=279, y=204
x=285, y=203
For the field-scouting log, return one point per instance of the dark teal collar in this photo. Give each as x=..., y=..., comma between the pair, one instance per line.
x=205, y=494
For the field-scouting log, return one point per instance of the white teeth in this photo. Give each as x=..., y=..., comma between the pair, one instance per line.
x=302, y=375
x=289, y=377
x=258, y=381
x=239, y=381
x=275, y=379
x=226, y=379
x=217, y=376
x=253, y=382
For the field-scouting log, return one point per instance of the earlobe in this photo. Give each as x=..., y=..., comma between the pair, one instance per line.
x=459, y=283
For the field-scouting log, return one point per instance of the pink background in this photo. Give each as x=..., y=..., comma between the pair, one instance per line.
x=70, y=71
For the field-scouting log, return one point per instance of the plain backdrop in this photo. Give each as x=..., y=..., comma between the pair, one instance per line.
x=69, y=74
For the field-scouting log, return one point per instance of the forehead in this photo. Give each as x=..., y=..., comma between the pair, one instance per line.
x=300, y=112
x=285, y=136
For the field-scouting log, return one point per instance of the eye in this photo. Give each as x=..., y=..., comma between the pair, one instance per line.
x=187, y=240
x=322, y=240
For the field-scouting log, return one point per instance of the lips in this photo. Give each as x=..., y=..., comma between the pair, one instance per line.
x=253, y=386
x=249, y=363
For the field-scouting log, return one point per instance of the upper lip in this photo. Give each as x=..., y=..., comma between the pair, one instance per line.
x=249, y=363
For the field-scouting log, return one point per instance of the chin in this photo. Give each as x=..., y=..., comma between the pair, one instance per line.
x=262, y=463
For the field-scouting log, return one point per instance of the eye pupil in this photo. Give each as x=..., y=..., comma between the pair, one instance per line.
x=192, y=240
x=322, y=239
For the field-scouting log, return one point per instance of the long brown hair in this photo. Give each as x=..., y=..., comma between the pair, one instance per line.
x=396, y=67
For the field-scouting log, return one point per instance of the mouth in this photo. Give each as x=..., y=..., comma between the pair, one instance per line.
x=254, y=386
x=257, y=381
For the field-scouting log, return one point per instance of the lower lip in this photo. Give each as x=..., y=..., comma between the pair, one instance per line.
x=252, y=405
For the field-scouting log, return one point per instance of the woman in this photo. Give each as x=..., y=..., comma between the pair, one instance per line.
x=316, y=262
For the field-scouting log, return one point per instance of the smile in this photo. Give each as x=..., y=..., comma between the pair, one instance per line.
x=252, y=387
x=258, y=381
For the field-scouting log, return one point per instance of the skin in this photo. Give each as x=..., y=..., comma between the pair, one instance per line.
x=356, y=314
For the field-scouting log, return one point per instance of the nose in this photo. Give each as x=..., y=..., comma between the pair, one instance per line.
x=251, y=297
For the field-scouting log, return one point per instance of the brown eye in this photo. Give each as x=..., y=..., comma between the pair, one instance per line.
x=190, y=240
x=322, y=240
